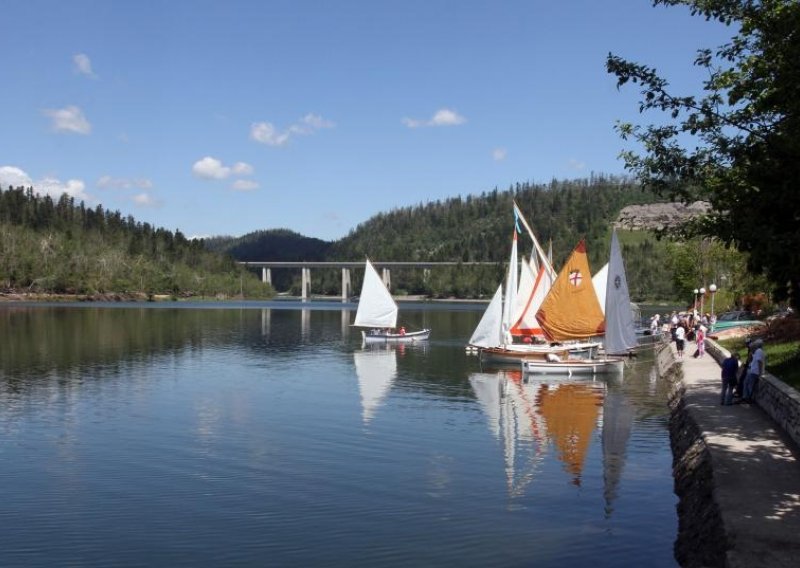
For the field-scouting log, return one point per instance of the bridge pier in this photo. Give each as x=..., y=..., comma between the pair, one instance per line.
x=266, y=276
x=305, y=284
x=346, y=284
x=386, y=276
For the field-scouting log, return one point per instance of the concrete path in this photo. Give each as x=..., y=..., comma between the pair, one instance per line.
x=756, y=470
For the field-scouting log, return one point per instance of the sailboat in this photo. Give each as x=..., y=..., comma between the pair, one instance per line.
x=377, y=311
x=572, y=312
x=512, y=315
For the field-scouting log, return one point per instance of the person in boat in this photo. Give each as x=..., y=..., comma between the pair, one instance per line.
x=402, y=330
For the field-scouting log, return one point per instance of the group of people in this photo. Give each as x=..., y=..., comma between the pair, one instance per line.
x=686, y=327
x=741, y=381
x=388, y=331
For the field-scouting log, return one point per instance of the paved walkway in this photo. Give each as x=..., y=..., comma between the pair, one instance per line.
x=756, y=471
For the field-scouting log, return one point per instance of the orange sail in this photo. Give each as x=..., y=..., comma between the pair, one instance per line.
x=571, y=309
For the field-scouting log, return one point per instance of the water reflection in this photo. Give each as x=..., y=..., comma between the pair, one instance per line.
x=618, y=417
x=254, y=428
x=376, y=369
x=533, y=417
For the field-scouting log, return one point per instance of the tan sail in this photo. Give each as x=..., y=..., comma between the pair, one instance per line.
x=571, y=310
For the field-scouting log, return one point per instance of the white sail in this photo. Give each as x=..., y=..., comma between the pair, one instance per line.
x=376, y=371
x=376, y=308
x=534, y=284
x=527, y=281
x=599, y=282
x=489, y=331
x=511, y=292
x=620, y=332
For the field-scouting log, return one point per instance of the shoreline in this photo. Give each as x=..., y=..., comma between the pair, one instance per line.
x=136, y=297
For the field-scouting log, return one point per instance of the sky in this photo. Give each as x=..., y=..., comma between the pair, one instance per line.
x=226, y=117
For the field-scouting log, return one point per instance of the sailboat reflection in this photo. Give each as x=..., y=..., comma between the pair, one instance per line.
x=533, y=416
x=618, y=417
x=376, y=369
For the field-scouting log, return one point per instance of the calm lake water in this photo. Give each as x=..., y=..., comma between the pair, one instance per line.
x=263, y=434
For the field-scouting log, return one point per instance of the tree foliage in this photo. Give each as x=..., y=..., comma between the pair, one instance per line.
x=64, y=247
x=479, y=228
x=738, y=144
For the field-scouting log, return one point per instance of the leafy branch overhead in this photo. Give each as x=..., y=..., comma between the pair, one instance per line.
x=736, y=145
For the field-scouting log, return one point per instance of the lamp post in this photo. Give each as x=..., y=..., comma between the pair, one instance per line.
x=702, y=300
x=694, y=306
x=713, y=290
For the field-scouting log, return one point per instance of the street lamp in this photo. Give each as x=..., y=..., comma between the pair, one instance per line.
x=694, y=306
x=702, y=300
x=712, y=289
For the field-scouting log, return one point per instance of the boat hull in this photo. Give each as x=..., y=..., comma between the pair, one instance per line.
x=575, y=367
x=408, y=337
x=516, y=353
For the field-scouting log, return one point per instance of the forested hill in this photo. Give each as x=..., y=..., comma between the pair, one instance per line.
x=274, y=244
x=479, y=228
x=60, y=247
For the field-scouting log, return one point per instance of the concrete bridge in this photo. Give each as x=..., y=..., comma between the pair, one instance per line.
x=305, y=267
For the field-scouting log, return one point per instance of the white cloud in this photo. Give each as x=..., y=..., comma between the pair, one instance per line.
x=244, y=185
x=69, y=119
x=267, y=133
x=210, y=168
x=214, y=169
x=54, y=187
x=144, y=200
x=576, y=164
x=499, y=154
x=442, y=117
x=108, y=182
x=14, y=177
x=83, y=65
x=242, y=169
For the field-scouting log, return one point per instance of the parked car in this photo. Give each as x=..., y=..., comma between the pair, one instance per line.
x=735, y=319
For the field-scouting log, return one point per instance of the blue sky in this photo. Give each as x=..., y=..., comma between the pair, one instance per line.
x=227, y=117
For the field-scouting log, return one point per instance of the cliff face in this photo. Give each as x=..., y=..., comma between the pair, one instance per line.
x=657, y=216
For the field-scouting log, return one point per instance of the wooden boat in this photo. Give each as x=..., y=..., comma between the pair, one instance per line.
x=575, y=367
x=378, y=311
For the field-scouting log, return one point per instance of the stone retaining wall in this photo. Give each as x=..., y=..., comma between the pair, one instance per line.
x=780, y=401
x=701, y=539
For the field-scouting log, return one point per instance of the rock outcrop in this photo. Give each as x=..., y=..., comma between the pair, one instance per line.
x=656, y=216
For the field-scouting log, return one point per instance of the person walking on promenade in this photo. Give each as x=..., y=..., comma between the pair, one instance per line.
x=700, y=337
x=730, y=368
x=680, y=340
x=755, y=371
x=673, y=325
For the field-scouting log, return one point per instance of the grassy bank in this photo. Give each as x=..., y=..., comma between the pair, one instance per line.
x=782, y=347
